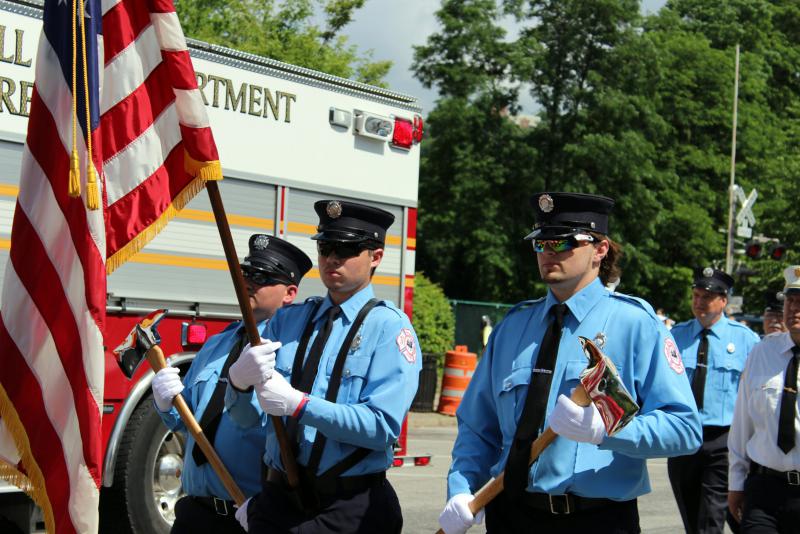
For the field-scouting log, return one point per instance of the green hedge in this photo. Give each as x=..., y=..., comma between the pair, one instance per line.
x=432, y=317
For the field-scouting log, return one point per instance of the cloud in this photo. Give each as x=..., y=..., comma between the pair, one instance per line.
x=392, y=27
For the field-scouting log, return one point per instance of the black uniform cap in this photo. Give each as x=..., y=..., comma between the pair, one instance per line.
x=712, y=280
x=774, y=301
x=561, y=215
x=340, y=220
x=279, y=258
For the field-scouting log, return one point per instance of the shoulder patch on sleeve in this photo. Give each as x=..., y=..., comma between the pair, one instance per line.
x=406, y=345
x=673, y=356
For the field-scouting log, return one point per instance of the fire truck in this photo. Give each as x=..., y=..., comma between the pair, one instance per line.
x=287, y=137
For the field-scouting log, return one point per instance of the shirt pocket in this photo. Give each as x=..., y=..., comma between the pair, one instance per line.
x=765, y=398
x=205, y=379
x=726, y=373
x=354, y=378
x=511, y=398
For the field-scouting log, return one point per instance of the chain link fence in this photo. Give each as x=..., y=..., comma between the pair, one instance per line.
x=470, y=321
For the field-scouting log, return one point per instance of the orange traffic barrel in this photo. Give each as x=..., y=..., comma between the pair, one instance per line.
x=459, y=366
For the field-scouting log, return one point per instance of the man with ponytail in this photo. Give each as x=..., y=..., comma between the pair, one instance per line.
x=585, y=480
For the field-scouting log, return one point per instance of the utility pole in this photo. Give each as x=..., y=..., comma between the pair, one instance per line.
x=731, y=187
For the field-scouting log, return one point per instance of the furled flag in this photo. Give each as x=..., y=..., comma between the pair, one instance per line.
x=118, y=141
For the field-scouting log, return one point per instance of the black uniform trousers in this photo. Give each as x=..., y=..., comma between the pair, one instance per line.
x=771, y=505
x=375, y=509
x=199, y=516
x=700, y=484
x=507, y=516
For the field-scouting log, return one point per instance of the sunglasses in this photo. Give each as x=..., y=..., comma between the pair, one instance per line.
x=341, y=249
x=559, y=245
x=261, y=278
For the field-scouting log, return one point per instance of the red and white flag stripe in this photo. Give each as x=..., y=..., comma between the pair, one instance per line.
x=153, y=150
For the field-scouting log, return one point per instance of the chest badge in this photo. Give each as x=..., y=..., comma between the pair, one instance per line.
x=600, y=340
x=356, y=342
x=731, y=348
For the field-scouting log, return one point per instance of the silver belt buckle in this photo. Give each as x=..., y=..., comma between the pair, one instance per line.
x=220, y=506
x=793, y=477
x=553, y=510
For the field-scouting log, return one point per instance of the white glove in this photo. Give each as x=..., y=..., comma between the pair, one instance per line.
x=166, y=385
x=241, y=514
x=276, y=396
x=577, y=423
x=456, y=517
x=255, y=364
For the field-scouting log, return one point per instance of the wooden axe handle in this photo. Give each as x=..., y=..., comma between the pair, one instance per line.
x=287, y=457
x=156, y=358
x=494, y=487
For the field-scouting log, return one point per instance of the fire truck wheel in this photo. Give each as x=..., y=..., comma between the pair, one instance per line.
x=147, y=476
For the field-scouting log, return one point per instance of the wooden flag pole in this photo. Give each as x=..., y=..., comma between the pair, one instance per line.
x=289, y=462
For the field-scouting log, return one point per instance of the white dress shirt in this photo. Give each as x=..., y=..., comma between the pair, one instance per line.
x=754, y=431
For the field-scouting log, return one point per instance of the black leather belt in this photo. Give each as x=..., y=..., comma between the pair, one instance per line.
x=792, y=478
x=714, y=432
x=564, y=504
x=329, y=486
x=219, y=506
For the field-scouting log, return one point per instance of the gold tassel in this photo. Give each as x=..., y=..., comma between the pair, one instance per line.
x=92, y=195
x=74, y=174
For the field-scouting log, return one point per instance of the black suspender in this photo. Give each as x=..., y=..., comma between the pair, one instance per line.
x=333, y=391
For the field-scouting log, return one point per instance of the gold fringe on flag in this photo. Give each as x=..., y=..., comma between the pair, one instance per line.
x=203, y=172
x=32, y=483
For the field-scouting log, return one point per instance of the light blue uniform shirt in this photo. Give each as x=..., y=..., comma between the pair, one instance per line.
x=239, y=448
x=379, y=381
x=729, y=343
x=644, y=354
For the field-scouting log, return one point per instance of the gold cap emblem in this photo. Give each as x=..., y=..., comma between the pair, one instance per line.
x=546, y=203
x=334, y=209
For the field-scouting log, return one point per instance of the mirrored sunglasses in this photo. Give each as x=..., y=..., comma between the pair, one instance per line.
x=342, y=250
x=560, y=245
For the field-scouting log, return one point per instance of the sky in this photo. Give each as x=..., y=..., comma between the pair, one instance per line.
x=392, y=27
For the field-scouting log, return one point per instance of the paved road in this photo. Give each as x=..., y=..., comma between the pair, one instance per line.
x=422, y=489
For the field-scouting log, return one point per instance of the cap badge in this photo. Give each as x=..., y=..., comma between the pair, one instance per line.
x=546, y=203
x=708, y=272
x=780, y=296
x=260, y=242
x=731, y=348
x=797, y=272
x=334, y=209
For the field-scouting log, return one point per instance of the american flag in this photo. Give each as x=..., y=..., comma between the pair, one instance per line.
x=152, y=150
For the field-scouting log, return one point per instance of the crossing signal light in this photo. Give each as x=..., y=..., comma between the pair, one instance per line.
x=777, y=251
x=752, y=249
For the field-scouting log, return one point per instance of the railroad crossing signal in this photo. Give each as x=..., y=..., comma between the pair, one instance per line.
x=745, y=219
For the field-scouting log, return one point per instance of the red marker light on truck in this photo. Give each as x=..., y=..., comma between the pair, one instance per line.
x=403, y=133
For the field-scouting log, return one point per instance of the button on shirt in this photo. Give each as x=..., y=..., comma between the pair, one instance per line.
x=729, y=343
x=239, y=448
x=643, y=352
x=379, y=381
x=754, y=431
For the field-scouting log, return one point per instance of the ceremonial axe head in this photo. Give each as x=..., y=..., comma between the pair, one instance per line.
x=142, y=338
x=604, y=386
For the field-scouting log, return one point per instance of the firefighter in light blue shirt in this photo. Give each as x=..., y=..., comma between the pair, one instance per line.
x=714, y=350
x=585, y=480
x=344, y=377
x=272, y=271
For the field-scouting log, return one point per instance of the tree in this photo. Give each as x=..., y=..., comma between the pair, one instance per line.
x=433, y=319
x=636, y=108
x=284, y=30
